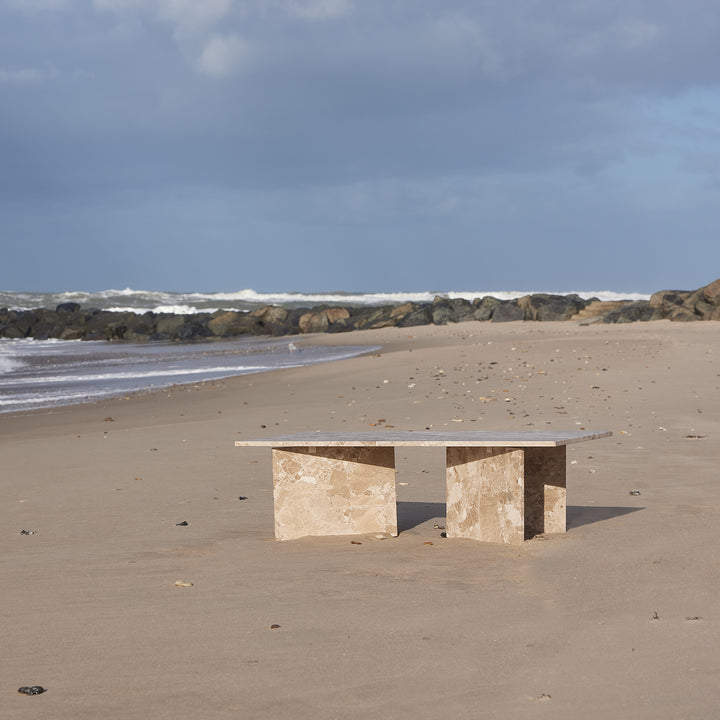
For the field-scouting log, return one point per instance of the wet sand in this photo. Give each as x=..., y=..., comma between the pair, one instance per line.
x=616, y=618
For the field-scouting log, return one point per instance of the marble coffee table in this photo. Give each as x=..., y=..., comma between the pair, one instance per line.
x=501, y=486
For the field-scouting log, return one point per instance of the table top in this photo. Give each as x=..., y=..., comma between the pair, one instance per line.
x=425, y=438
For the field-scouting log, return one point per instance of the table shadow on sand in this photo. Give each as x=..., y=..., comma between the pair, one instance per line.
x=412, y=514
x=579, y=515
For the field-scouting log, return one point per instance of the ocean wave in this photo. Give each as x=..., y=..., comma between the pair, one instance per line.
x=188, y=303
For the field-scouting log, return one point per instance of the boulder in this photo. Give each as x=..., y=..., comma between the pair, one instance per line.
x=638, y=311
x=314, y=322
x=484, y=308
x=705, y=302
x=413, y=315
x=507, y=311
x=68, y=307
x=271, y=320
x=167, y=326
x=228, y=323
x=544, y=307
x=139, y=328
x=666, y=300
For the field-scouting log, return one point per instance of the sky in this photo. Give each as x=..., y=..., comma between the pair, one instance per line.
x=359, y=145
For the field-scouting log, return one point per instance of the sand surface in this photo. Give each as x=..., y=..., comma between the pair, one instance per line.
x=617, y=618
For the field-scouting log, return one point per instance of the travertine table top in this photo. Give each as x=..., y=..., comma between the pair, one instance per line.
x=425, y=438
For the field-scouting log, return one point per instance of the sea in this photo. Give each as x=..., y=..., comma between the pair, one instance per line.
x=45, y=374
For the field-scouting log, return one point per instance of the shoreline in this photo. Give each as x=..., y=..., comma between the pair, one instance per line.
x=615, y=617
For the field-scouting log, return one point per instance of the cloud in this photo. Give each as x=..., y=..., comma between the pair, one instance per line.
x=26, y=76
x=190, y=16
x=223, y=55
x=186, y=16
x=317, y=9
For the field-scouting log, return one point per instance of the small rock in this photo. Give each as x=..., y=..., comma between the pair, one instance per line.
x=242, y=497
x=33, y=690
x=28, y=532
x=635, y=492
x=443, y=534
x=184, y=523
x=275, y=627
x=355, y=542
x=438, y=527
x=183, y=583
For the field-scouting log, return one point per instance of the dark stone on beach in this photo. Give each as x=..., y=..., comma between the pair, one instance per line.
x=373, y=318
x=412, y=314
x=705, y=302
x=231, y=323
x=639, y=311
x=544, y=307
x=184, y=523
x=667, y=300
x=508, y=311
x=484, y=308
x=455, y=310
x=139, y=328
x=68, y=307
x=270, y=320
x=33, y=690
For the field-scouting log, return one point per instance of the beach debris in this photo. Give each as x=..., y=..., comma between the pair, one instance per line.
x=438, y=527
x=443, y=534
x=544, y=697
x=109, y=419
x=183, y=583
x=634, y=492
x=32, y=690
x=275, y=626
x=153, y=449
x=28, y=532
x=427, y=543
x=355, y=542
x=242, y=497
x=184, y=523
x=696, y=437
x=695, y=618
x=655, y=616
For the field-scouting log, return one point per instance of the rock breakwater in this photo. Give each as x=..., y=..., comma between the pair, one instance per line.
x=70, y=321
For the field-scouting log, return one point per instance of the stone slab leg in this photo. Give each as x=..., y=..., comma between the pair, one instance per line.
x=545, y=495
x=485, y=494
x=334, y=491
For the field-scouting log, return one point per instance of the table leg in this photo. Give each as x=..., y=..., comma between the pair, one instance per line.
x=486, y=494
x=505, y=494
x=545, y=496
x=334, y=491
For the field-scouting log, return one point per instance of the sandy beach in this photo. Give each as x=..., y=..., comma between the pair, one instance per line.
x=617, y=618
